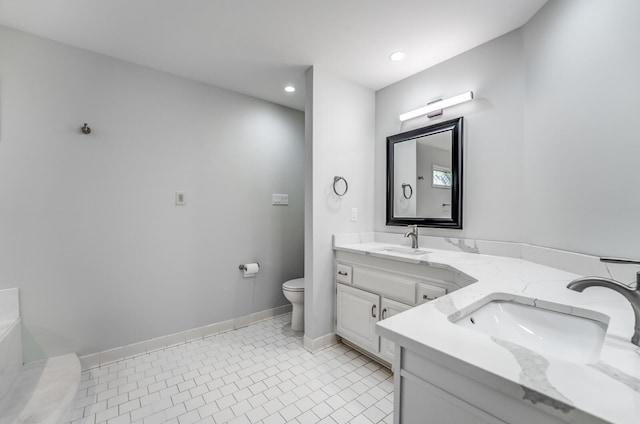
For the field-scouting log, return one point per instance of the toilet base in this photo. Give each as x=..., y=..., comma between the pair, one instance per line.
x=297, y=318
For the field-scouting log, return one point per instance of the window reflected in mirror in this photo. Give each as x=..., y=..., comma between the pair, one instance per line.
x=441, y=177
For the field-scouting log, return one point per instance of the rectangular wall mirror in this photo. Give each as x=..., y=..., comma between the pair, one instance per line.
x=424, y=176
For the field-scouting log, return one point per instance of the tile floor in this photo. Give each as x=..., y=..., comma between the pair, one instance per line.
x=257, y=374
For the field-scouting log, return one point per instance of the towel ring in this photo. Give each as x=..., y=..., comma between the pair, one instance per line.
x=336, y=179
x=404, y=191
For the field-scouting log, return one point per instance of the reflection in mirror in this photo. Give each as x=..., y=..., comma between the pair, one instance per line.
x=424, y=173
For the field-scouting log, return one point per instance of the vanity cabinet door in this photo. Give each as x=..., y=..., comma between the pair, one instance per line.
x=389, y=309
x=357, y=312
x=422, y=402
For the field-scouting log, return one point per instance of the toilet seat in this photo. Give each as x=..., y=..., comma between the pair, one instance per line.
x=296, y=285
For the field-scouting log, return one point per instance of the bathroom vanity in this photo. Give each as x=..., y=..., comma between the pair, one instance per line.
x=370, y=289
x=456, y=366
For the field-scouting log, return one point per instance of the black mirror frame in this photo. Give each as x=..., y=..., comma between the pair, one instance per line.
x=455, y=222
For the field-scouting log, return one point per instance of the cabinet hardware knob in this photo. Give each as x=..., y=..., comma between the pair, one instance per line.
x=384, y=311
x=373, y=310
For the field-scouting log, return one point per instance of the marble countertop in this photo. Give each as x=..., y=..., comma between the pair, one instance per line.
x=604, y=391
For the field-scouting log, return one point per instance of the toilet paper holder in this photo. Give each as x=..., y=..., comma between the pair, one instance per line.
x=243, y=267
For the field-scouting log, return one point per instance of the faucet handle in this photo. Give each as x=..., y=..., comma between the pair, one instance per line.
x=612, y=260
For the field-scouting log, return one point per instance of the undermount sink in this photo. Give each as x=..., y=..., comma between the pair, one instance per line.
x=403, y=250
x=567, y=336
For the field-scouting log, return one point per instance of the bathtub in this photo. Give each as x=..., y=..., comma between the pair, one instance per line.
x=40, y=392
x=10, y=339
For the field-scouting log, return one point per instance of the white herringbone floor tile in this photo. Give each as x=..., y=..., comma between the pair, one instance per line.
x=257, y=374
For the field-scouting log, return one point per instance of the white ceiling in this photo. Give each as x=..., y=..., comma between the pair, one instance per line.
x=257, y=47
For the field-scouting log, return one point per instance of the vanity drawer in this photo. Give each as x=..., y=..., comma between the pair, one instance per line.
x=389, y=286
x=427, y=292
x=344, y=273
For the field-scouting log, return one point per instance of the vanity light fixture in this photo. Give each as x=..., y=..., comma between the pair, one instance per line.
x=289, y=89
x=396, y=56
x=438, y=105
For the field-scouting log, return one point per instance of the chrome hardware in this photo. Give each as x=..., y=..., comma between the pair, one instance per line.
x=373, y=310
x=437, y=112
x=242, y=267
x=624, y=261
x=620, y=261
x=85, y=129
x=632, y=295
x=414, y=236
x=346, y=186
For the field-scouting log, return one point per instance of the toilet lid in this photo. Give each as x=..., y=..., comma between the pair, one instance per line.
x=294, y=285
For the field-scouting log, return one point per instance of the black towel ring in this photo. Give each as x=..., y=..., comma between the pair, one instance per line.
x=336, y=179
x=404, y=191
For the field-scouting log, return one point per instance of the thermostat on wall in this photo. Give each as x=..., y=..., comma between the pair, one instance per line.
x=280, y=199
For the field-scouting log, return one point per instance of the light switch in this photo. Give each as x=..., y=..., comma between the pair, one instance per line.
x=180, y=199
x=354, y=214
x=280, y=199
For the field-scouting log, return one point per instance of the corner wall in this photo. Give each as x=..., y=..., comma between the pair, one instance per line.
x=551, y=152
x=339, y=142
x=89, y=231
x=581, y=148
x=493, y=126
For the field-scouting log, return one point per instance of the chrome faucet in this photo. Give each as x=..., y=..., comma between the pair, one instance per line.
x=414, y=236
x=632, y=295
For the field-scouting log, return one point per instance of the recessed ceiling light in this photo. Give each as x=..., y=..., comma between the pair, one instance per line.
x=289, y=89
x=396, y=56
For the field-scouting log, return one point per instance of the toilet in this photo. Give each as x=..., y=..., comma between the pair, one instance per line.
x=294, y=292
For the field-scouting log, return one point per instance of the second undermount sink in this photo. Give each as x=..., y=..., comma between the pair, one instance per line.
x=567, y=336
x=403, y=250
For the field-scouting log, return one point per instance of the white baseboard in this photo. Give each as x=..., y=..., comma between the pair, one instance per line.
x=97, y=359
x=261, y=316
x=314, y=345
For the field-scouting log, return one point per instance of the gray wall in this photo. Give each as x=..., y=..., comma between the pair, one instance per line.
x=405, y=156
x=430, y=199
x=88, y=227
x=340, y=116
x=492, y=134
x=581, y=147
x=551, y=152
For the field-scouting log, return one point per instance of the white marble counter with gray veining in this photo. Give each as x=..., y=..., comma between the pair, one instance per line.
x=605, y=390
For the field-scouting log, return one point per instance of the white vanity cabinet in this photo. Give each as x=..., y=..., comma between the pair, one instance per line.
x=356, y=316
x=389, y=309
x=430, y=383
x=421, y=397
x=369, y=290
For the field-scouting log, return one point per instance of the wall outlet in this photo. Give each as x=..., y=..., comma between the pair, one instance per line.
x=280, y=199
x=354, y=214
x=180, y=198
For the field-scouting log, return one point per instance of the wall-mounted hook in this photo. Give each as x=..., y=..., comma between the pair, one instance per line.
x=85, y=129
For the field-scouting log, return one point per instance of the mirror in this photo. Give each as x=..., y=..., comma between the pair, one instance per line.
x=424, y=176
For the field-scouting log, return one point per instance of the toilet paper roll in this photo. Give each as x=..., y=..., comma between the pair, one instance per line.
x=251, y=269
